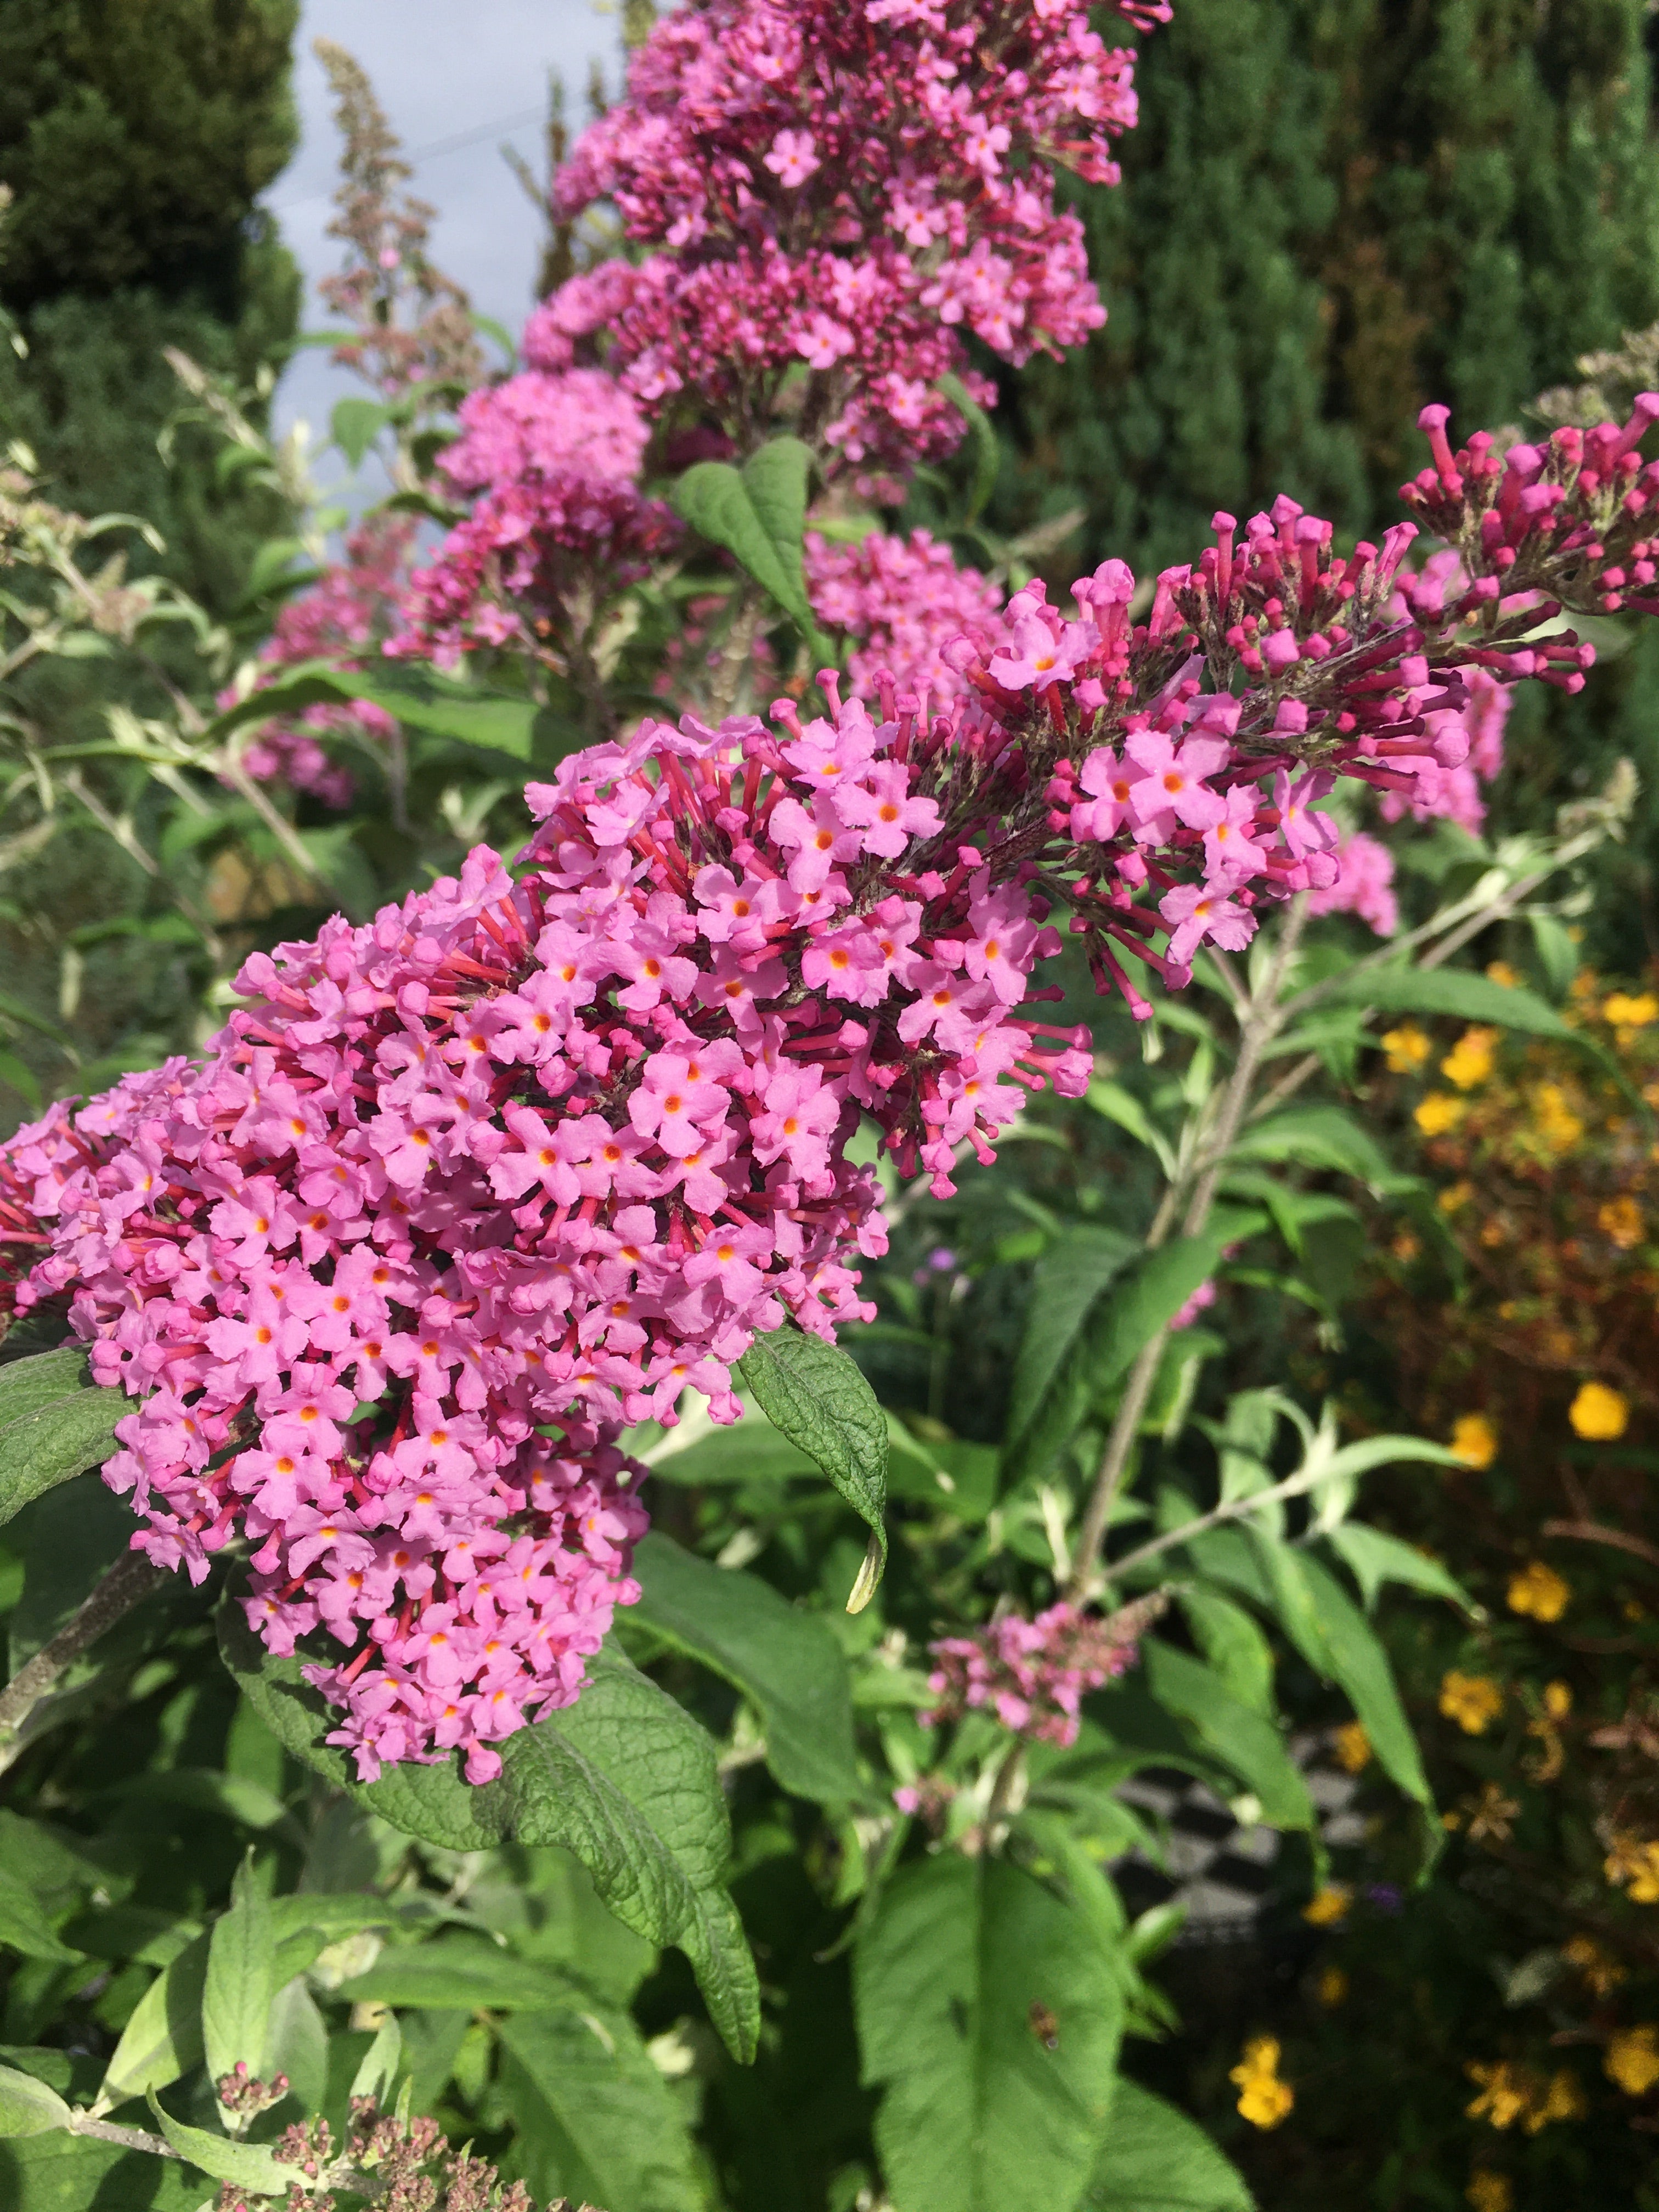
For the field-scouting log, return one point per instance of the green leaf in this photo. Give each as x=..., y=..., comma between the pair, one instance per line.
x=252, y=2167
x=988, y=2016
x=1454, y=991
x=785, y=1662
x=1356, y=1663
x=356, y=424
x=625, y=1779
x=1132, y=1308
x=988, y=454
x=163, y=2038
x=55, y=1422
x=1316, y=1137
x=759, y=515
x=1233, y=1644
x=596, y=2121
x=381, y=2064
x=457, y=1971
x=1374, y=1557
x=1246, y=1741
x=1156, y=2159
x=60, y=2172
x=419, y=696
x=1122, y=1106
x=28, y=2107
x=816, y=1395
x=298, y=2044
x=240, y=1979
x=1067, y=1284
x=23, y=1923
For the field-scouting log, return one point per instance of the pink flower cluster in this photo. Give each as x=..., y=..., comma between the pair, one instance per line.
x=849, y=187
x=559, y=526
x=343, y=617
x=1032, y=1674
x=900, y=601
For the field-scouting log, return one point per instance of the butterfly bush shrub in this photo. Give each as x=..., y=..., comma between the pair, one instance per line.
x=472, y=1202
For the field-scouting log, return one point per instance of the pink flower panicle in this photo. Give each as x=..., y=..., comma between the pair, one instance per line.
x=344, y=616
x=558, y=526
x=853, y=187
x=1033, y=1675
x=900, y=601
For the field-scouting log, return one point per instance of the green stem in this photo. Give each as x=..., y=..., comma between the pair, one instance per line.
x=132, y=1578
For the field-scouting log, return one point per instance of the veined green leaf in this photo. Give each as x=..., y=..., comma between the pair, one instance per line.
x=1453, y=991
x=1122, y=1106
x=241, y=1979
x=1358, y=1665
x=816, y=1395
x=1246, y=1741
x=55, y=1422
x=988, y=2016
x=1156, y=2159
x=163, y=2038
x=1375, y=1558
x=1234, y=1646
x=1315, y=1137
x=758, y=513
x=1066, y=1285
x=460, y=1971
x=28, y=2107
x=252, y=2167
x=596, y=2121
x=785, y=1662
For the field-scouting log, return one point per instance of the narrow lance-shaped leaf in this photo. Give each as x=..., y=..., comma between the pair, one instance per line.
x=253, y=2167
x=785, y=1661
x=240, y=1979
x=814, y=1394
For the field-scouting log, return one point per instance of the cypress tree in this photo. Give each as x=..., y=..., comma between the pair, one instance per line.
x=135, y=140
x=1334, y=210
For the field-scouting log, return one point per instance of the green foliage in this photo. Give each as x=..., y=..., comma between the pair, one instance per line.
x=1332, y=211
x=758, y=513
x=53, y=1425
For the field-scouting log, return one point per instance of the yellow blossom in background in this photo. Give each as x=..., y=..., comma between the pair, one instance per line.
x=1437, y=1113
x=1455, y=1196
x=1352, y=1747
x=1558, y=1125
x=1263, y=2099
x=1633, y=1865
x=1599, y=1967
x=1620, y=1218
x=1491, y=2192
x=1632, y=2059
x=1625, y=1012
x=1332, y=1987
x=1473, y=1701
x=1540, y=1591
x=1499, y=971
x=1492, y=1815
x=1563, y=2101
x=1474, y=1440
x=1506, y=2092
x=1469, y=1062
x=1328, y=1905
x=1598, y=1413
x=1558, y=1700
x=1407, y=1048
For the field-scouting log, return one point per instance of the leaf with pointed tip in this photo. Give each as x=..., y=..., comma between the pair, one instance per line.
x=241, y=1979
x=252, y=2167
x=815, y=1394
x=758, y=513
x=28, y=2107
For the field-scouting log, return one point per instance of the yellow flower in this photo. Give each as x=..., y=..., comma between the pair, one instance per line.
x=1633, y=1865
x=1599, y=1967
x=1620, y=1218
x=1263, y=2099
x=1492, y=1815
x=1627, y=1013
x=1599, y=1414
x=1455, y=1195
x=1563, y=2101
x=1558, y=1700
x=1632, y=2059
x=1539, y=1590
x=1406, y=1048
x=1473, y=1701
x=1437, y=1113
x=1469, y=1062
x=1474, y=1440
x=1491, y=2192
x=1332, y=1987
x=1506, y=2092
x=1352, y=1747
x=1499, y=971
x=1328, y=1905
x=1558, y=1125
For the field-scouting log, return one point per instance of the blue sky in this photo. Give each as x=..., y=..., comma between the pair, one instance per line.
x=457, y=78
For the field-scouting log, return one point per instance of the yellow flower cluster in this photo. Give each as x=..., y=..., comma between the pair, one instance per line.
x=1633, y=1865
x=1328, y=1905
x=1439, y=1112
x=1600, y=1968
x=1352, y=1747
x=1491, y=2192
x=1556, y=1124
x=1622, y=1012
x=1540, y=1591
x=1469, y=1062
x=1598, y=1413
x=1632, y=2060
x=1474, y=1440
x=1510, y=2093
x=1473, y=1701
x=1407, y=1048
x=1263, y=2099
x=1620, y=1218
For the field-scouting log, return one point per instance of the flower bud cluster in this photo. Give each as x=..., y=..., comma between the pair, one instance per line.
x=1034, y=1674
x=559, y=525
x=851, y=187
x=900, y=602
